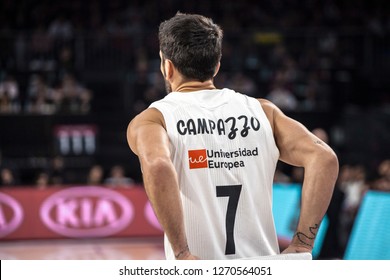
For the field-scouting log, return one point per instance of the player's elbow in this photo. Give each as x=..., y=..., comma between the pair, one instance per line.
x=158, y=174
x=329, y=163
x=156, y=167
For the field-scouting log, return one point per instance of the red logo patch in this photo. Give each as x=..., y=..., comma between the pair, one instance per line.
x=197, y=159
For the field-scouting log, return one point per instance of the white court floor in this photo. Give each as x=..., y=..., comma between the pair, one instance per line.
x=84, y=249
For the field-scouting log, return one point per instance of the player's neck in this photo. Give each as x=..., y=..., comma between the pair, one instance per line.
x=194, y=86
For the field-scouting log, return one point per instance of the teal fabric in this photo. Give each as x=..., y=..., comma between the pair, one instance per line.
x=370, y=236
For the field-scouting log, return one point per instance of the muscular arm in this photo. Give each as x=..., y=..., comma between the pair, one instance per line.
x=299, y=147
x=148, y=139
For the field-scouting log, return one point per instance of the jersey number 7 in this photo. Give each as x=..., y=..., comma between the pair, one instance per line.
x=233, y=192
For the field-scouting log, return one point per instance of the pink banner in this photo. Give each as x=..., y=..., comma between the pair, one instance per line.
x=76, y=212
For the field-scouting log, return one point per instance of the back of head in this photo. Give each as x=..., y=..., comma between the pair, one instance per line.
x=193, y=43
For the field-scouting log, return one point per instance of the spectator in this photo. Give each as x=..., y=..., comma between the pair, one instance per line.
x=383, y=182
x=41, y=99
x=65, y=61
x=353, y=185
x=95, y=175
x=42, y=180
x=57, y=171
x=9, y=95
x=117, y=177
x=74, y=97
x=8, y=178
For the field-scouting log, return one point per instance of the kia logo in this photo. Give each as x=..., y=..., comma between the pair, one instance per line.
x=11, y=214
x=87, y=212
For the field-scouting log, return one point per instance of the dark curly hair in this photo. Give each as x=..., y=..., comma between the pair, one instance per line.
x=193, y=43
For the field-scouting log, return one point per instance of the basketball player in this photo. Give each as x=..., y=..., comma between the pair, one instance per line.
x=208, y=155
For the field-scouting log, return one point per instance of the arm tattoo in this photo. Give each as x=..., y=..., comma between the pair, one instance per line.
x=303, y=238
x=182, y=252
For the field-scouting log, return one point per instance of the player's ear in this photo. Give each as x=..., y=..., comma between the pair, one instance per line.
x=162, y=62
x=169, y=69
x=166, y=67
x=217, y=69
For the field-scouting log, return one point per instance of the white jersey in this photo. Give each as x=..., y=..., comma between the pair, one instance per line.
x=225, y=155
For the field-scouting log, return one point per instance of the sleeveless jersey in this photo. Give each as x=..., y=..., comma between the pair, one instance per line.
x=225, y=156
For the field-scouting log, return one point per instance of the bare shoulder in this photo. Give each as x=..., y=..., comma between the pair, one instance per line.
x=270, y=110
x=145, y=126
x=267, y=105
x=148, y=116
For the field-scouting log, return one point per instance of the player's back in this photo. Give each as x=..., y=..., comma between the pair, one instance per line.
x=225, y=156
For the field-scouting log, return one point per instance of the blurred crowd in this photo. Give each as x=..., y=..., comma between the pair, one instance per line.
x=63, y=19
x=302, y=55
x=69, y=97
x=56, y=173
